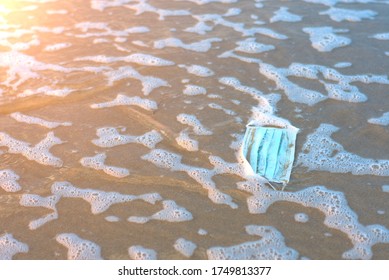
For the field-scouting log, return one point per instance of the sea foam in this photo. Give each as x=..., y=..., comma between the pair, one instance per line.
x=97, y=162
x=321, y=152
x=185, y=247
x=171, y=212
x=324, y=38
x=9, y=181
x=9, y=247
x=39, y=153
x=110, y=137
x=271, y=246
x=78, y=248
x=124, y=100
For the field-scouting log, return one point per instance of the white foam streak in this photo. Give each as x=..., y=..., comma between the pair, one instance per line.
x=271, y=246
x=39, y=153
x=9, y=181
x=185, y=247
x=339, y=14
x=9, y=246
x=324, y=38
x=100, y=201
x=137, y=58
x=320, y=152
x=97, y=162
x=195, y=123
x=201, y=46
x=149, y=83
x=333, y=204
x=140, y=253
x=282, y=14
x=110, y=137
x=35, y=120
x=78, y=248
x=171, y=212
x=123, y=100
x=383, y=120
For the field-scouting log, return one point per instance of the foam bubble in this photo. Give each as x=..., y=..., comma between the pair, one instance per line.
x=383, y=120
x=194, y=90
x=98, y=162
x=141, y=253
x=185, y=247
x=148, y=60
x=237, y=85
x=101, y=5
x=138, y=58
x=142, y=6
x=339, y=14
x=21, y=68
x=334, y=2
x=343, y=90
x=33, y=200
x=203, y=2
x=39, y=153
x=120, y=39
x=186, y=142
x=333, y=204
x=100, y=40
x=282, y=14
x=263, y=31
x=112, y=219
x=78, y=248
x=192, y=121
x=8, y=181
x=324, y=38
x=201, y=27
x=57, y=47
x=219, y=107
x=301, y=217
x=123, y=100
x=102, y=29
x=202, y=232
x=100, y=201
x=381, y=36
x=270, y=247
x=35, y=120
x=163, y=159
x=139, y=43
x=320, y=152
x=201, y=46
x=46, y=90
x=233, y=12
x=110, y=137
x=198, y=70
x=57, y=12
x=9, y=247
x=149, y=83
x=342, y=64
x=251, y=46
x=171, y=213
x=44, y=29
x=203, y=176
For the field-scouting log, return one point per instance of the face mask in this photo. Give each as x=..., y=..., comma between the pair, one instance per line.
x=270, y=151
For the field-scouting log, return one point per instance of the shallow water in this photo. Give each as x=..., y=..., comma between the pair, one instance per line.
x=121, y=123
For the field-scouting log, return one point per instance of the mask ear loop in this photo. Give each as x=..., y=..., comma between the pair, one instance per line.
x=272, y=186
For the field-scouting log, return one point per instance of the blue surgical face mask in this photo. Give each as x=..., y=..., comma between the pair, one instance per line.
x=270, y=151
